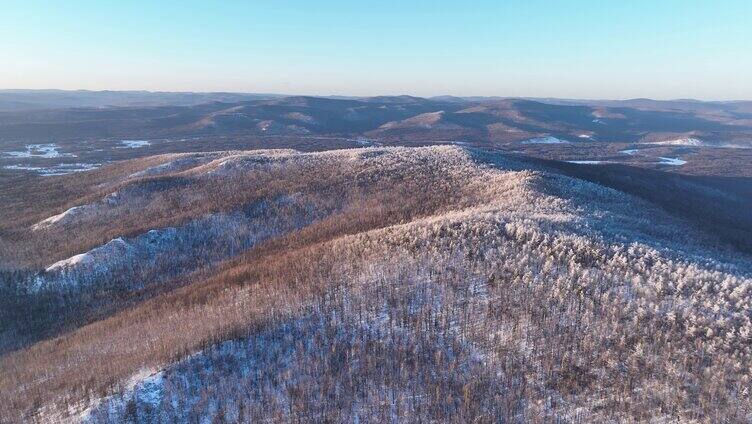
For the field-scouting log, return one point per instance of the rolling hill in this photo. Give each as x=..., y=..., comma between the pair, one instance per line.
x=440, y=283
x=690, y=137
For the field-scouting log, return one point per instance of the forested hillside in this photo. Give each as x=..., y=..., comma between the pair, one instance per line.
x=424, y=284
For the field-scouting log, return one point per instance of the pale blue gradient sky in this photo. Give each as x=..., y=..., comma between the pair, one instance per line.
x=582, y=49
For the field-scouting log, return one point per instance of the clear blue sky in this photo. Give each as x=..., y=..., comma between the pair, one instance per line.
x=582, y=49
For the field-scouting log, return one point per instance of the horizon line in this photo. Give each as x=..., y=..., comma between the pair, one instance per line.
x=262, y=93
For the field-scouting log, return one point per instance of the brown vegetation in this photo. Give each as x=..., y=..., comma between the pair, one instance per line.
x=438, y=289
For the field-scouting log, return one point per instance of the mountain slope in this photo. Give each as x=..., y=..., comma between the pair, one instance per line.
x=414, y=284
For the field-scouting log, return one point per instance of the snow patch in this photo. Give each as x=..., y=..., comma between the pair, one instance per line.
x=107, y=251
x=145, y=388
x=688, y=141
x=47, y=151
x=544, y=140
x=696, y=142
x=133, y=144
x=588, y=162
x=60, y=169
x=362, y=141
x=629, y=151
x=63, y=217
x=671, y=161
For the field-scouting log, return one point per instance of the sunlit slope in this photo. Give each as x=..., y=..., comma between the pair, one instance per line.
x=414, y=284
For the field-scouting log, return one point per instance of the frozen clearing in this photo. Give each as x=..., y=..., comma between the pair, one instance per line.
x=629, y=151
x=60, y=169
x=696, y=142
x=588, y=162
x=134, y=144
x=47, y=151
x=362, y=141
x=671, y=161
x=689, y=141
x=544, y=140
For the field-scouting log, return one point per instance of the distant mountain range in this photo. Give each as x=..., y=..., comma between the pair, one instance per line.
x=25, y=100
x=39, y=115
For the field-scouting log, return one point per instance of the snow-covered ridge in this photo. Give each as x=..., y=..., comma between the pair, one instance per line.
x=177, y=248
x=687, y=141
x=230, y=370
x=696, y=142
x=176, y=165
x=539, y=230
x=64, y=217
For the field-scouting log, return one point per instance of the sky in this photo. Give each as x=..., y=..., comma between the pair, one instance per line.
x=592, y=49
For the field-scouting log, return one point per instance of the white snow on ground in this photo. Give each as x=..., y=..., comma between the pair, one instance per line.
x=62, y=218
x=588, y=162
x=59, y=169
x=133, y=144
x=598, y=121
x=109, y=250
x=23, y=168
x=585, y=136
x=160, y=249
x=671, y=161
x=629, y=151
x=688, y=141
x=75, y=260
x=173, y=166
x=146, y=387
x=47, y=151
x=696, y=142
x=544, y=140
x=362, y=141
